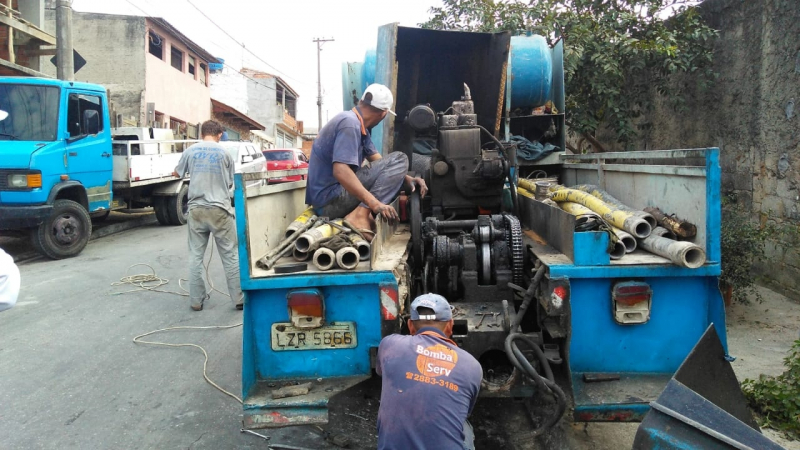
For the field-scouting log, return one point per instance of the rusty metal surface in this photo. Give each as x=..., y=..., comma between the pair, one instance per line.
x=263, y=411
x=554, y=225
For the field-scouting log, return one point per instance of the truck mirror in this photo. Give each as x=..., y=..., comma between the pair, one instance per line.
x=91, y=122
x=3, y=115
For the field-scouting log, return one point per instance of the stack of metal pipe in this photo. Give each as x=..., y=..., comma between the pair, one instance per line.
x=633, y=228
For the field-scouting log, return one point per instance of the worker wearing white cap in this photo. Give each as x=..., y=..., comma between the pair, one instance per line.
x=9, y=281
x=338, y=185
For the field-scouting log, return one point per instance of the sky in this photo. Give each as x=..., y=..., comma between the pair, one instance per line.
x=280, y=32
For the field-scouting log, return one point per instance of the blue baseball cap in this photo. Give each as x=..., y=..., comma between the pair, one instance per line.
x=439, y=305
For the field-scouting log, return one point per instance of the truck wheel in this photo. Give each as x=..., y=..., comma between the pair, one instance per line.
x=178, y=206
x=160, y=206
x=65, y=233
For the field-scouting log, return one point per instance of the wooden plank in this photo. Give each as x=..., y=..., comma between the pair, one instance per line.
x=28, y=29
x=21, y=69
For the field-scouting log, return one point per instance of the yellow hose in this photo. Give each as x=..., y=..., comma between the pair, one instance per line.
x=299, y=221
x=620, y=219
x=524, y=192
x=576, y=209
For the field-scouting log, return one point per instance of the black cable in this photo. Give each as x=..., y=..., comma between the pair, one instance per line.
x=521, y=363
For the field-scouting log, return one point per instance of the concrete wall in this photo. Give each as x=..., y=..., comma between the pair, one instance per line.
x=230, y=87
x=176, y=93
x=262, y=103
x=750, y=113
x=114, y=48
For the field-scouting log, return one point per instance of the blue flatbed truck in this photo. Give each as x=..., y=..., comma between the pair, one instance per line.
x=324, y=327
x=61, y=166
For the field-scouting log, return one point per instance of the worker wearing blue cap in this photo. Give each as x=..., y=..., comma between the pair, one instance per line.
x=430, y=385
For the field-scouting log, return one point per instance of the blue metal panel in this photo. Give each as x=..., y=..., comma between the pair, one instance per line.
x=591, y=248
x=678, y=318
x=531, y=72
x=713, y=206
x=357, y=303
x=351, y=82
x=617, y=271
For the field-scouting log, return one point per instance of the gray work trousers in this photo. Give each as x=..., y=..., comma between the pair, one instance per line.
x=202, y=222
x=383, y=179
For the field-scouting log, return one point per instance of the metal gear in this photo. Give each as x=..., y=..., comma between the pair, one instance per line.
x=513, y=233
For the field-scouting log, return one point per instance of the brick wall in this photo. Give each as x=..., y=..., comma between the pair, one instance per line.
x=244, y=132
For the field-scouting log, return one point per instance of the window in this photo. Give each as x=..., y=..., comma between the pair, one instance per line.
x=289, y=141
x=84, y=115
x=280, y=139
x=156, y=45
x=202, y=74
x=191, y=65
x=32, y=113
x=177, y=58
x=233, y=135
x=279, y=156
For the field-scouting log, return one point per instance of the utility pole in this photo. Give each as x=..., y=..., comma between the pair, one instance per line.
x=65, y=69
x=319, y=42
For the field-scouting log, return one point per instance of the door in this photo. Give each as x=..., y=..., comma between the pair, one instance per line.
x=89, y=146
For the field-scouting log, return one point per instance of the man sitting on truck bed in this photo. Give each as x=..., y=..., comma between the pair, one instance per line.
x=430, y=385
x=338, y=186
x=210, y=212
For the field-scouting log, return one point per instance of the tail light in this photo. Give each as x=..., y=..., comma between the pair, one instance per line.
x=306, y=308
x=632, y=301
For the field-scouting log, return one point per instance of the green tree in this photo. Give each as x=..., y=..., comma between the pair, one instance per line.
x=617, y=53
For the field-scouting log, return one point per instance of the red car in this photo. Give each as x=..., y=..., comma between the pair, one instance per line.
x=285, y=159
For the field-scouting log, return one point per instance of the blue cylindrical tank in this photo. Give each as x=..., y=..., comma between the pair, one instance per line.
x=531, y=71
x=368, y=69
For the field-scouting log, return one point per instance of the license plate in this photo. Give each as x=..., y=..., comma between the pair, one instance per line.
x=335, y=335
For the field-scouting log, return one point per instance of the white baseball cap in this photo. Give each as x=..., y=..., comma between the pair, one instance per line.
x=379, y=96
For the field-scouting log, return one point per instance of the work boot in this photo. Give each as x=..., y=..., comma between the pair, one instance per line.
x=199, y=307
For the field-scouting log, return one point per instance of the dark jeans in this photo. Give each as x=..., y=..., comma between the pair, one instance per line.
x=383, y=179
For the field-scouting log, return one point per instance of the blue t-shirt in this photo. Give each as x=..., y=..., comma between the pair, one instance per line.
x=429, y=388
x=342, y=140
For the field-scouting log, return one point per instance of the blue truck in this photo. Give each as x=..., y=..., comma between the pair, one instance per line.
x=62, y=166
x=610, y=333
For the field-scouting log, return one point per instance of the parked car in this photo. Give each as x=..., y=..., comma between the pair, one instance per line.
x=246, y=158
x=285, y=159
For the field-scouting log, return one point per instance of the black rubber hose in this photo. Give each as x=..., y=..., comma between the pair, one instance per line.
x=527, y=298
x=523, y=365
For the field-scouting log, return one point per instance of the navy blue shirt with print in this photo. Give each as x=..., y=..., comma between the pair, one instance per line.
x=344, y=140
x=430, y=386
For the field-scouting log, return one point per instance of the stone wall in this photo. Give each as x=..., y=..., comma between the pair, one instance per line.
x=750, y=114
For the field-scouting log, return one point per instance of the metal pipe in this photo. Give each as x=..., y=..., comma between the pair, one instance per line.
x=324, y=258
x=627, y=240
x=440, y=224
x=684, y=254
x=298, y=223
x=665, y=233
x=363, y=249
x=621, y=219
x=284, y=247
x=614, y=202
x=310, y=240
x=347, y=258
x=300, y=256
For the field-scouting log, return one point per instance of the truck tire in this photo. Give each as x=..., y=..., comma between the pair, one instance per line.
x=65, y=233
x=160, y=207
x=178, y=206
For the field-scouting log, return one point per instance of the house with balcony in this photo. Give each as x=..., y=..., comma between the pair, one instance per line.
x=264, y=97
x=155, y=75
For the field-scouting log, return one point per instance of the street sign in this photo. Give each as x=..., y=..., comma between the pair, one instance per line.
x=77, y=60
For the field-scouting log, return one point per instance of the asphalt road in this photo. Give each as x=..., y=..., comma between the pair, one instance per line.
x=71, y=377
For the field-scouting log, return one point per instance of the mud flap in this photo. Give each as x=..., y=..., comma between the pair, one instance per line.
x=702, y=406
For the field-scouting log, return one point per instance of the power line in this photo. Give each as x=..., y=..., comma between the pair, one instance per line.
x=224, y=63
x=241, y=43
